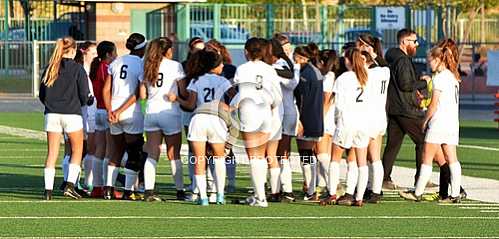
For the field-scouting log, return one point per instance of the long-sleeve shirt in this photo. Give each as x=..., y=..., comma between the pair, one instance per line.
x=69, y=92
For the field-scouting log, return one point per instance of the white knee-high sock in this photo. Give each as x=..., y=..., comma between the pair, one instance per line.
x=48, y=176
x=313, y=181
x=377, y=176
x=275, y=174
x=150, y=174
x=324, y=160
x=177, y=173
x=362, y=182
x=131, y=178
x=74, y=171
x=258, y=169
x=455, y=178
x=65, y=166
x=424, y=177
x=371, y=176
x=220, y=172
x=201, y=185
x=286, y=178
x=97, y=172
x=105, y=163
x=352, y=177
x=334, y=177
x=210, y=179
x=88, y=165
x=307, y=173
x=112, y=174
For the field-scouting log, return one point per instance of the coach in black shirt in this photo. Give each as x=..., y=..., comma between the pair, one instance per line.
x=404, y=113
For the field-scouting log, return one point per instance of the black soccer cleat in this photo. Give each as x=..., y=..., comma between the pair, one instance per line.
x=346, y=200
x=288, y=197
x=374, y=198
x=367, y=195
x=63, y=185
x=69, y=191
x=47, y=195
x=150, y=196
x=108, y=193
x=276, y=197
x=181, y=195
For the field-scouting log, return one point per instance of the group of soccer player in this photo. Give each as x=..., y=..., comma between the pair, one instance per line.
x=330, y=103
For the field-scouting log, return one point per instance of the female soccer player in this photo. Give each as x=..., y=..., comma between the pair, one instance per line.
x=379, y=78
x=126, y=119
x=288, y=79
x=84, y=56
x=441, y=122
x=106, y=53
x=163, y=115
x=330, y=64
x=228, y=72
x=205, y=87
x=258, y=96
x=309, y=100
x=63, y=91
x=351, y=98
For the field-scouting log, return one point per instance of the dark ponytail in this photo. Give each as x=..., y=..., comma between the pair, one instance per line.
x=104, y=48
x=278, y=52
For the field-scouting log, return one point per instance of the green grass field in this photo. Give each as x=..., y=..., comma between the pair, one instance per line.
x=22, y=214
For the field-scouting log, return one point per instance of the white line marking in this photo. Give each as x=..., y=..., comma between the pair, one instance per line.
x=490, y=211
x=253, y=237
x=475, y=208
x=478, y=147
x=250, y=218
x=469, y=204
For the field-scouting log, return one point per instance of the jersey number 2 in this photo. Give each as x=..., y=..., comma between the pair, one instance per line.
x=359, y=100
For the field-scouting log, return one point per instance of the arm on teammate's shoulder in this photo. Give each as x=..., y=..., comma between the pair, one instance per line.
x=190, y=102
x=142, y=91
x=83, y=90
x=106, y=93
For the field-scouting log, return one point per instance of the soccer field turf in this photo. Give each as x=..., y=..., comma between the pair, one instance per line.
x=23, y=214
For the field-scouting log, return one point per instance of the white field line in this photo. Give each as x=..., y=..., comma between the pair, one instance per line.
x=470, y=204
x=478, y=208
x=252, y=237
x=391, y=217
x=490, y=211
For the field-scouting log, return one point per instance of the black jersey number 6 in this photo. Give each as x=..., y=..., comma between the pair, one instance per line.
x=123, y=73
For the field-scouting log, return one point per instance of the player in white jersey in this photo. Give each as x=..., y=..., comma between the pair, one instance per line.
x=289, y=75
x=379, y=78
x=329, y=65
x=206, y=129
x=120, y=97
x=163, y=115
x=258, y=95
x=351, y=94
x=441, y=122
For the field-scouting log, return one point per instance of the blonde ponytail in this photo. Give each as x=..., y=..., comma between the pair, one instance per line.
x=358, y=61
x=63, y=46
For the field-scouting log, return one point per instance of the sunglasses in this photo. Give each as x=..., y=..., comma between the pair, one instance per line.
x=413, y=41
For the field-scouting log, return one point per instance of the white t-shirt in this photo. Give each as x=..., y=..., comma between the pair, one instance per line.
x=209, y=87
x=262, y=77
x=126, y=72
x=169, y=73
x=351, y=102
x=379, y=78
x=446, y=117
x=288, y=86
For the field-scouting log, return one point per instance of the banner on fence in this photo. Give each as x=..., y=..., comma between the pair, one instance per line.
x=493, y=68
x=390, y=18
